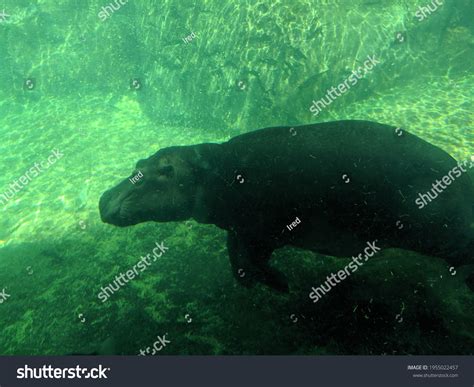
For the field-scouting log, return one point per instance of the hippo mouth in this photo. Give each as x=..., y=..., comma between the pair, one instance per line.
x=116, y=209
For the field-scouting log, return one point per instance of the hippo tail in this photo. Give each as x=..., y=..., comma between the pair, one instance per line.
x=467, y=273
x=468, y=270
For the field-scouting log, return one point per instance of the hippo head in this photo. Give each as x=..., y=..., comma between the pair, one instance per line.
x=161, y=188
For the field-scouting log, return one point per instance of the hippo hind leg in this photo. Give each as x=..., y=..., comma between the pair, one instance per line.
x=462, y=257
x=249, y=261
x=454, y=245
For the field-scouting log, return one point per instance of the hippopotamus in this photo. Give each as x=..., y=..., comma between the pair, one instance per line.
x=329, y=187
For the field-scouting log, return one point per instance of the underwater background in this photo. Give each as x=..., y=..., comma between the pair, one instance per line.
x=107, y=92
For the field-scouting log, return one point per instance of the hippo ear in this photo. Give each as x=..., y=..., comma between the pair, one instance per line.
x=201, y=156
x=167, y=170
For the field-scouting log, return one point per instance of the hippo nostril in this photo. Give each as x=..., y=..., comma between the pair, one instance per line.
x=104, y=200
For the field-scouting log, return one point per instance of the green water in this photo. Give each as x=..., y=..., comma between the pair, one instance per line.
x=67, y=83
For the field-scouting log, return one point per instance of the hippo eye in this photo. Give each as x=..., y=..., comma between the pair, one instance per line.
x=167, y=170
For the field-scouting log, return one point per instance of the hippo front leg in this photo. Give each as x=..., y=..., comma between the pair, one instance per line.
x=249, y=261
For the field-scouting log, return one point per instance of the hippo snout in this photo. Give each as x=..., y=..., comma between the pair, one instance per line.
x=122, y=205
x=109, y=209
